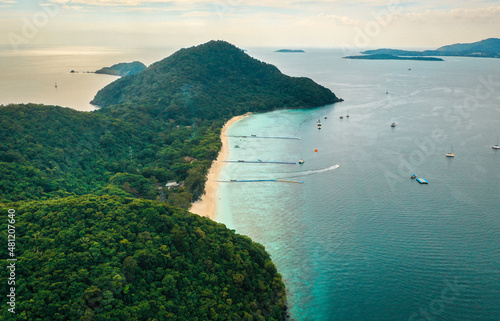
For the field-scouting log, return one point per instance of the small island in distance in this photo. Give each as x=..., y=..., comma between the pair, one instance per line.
x=123, y=69
x=487, y=48
x=289, y=50
x=392, y=57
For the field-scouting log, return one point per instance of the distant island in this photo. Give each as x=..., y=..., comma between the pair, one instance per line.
x=384, y=56
x=289, y=50
x=488, y=48
x=123, y=69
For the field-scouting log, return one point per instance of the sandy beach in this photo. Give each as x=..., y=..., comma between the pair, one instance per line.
x=206, y=205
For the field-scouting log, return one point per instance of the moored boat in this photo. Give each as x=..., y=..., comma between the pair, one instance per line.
x=451, y=153
x=496, y=146
x=422, y=181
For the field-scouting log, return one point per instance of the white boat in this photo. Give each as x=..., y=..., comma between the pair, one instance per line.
x=450, y=154
x=301, y=161
x=496, y=146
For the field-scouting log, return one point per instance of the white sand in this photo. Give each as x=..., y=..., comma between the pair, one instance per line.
x=206, y=205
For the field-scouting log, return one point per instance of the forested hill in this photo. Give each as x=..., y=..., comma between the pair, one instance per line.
x=211, y=81
x=114, y=258
x=50, y=151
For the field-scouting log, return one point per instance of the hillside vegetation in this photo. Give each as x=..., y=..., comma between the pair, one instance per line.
x=49, y=151
x=211, y=81
x=116, y=258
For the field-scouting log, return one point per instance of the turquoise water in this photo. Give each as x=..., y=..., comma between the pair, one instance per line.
x=364, y=241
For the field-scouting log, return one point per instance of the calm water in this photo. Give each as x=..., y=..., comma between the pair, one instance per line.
x=364, y=241
x=31, y=74
x=361, y=241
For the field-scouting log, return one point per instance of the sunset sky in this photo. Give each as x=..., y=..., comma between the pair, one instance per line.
x=277, y=23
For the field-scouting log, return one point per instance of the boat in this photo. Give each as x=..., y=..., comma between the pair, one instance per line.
x=413, y=176
x=393, y=125
x=422, y=181
x=236, y=146
x=347, y=115
x=301, y=161
x=341, y=117
x=450, y=154
x=326, y=117
x=496, y=146
x=55, y=85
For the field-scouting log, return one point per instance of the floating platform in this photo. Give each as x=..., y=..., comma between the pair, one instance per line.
x=261, y=180
x=260, y=162
x=267, y=137
x=422, y=181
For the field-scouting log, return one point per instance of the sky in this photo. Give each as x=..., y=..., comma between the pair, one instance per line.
x=272, y=23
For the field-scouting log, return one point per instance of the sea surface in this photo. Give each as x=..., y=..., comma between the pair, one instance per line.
x=362, y=240
x=357, y=239
x=43, y=74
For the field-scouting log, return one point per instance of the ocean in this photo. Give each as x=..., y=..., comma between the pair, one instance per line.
x=43, y=74
x=364, y=241
x=358, y=239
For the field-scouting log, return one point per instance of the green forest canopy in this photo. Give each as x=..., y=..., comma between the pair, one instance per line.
x=116, y=258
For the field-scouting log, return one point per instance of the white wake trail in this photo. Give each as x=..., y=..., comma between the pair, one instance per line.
x=312, y=172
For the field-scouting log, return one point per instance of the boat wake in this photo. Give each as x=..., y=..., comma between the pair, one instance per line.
x=312, y=172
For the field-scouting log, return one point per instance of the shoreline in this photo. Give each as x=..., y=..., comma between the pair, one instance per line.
x=205, y=206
